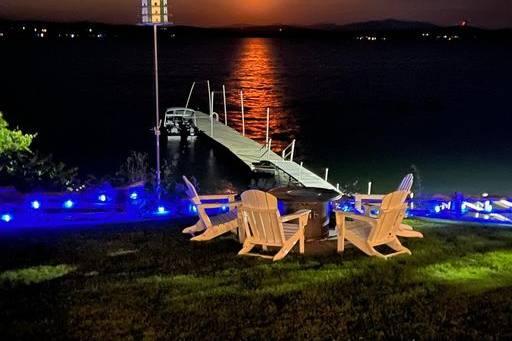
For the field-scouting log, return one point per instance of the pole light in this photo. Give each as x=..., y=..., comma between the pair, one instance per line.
x=156, y=13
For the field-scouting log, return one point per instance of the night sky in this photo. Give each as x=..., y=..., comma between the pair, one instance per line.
x=486, y=13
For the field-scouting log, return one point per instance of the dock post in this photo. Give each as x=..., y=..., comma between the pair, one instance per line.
x=300, y=171
x=225, y=105
x=326, y=174
x=293, y=150
x=209, y=97
x=369, y=188
x=212, y=97
x=190, y=94
x=268, y=124
x=243, y=113
x=211, y=114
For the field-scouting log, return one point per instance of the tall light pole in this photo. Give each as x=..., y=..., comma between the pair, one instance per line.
x=156, y=13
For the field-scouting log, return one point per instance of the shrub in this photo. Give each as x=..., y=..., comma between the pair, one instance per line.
x=13, y=140
x=29, y=171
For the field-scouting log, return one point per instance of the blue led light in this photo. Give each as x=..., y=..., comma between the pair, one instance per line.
x=69, y=203
x=161, y=210
x=224, y=208
x=35, y=205
x=102, y=198
x=134, y=196
x=6, y=218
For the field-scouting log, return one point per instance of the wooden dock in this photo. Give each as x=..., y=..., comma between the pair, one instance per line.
x=250, y=152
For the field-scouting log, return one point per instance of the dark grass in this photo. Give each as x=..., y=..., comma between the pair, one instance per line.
x=148, y=281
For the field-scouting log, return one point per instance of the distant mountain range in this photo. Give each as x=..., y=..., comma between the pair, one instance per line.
x=390, y=28
x=378, y=25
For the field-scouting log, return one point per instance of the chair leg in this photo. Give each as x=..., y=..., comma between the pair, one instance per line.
x=197, y=227
x=409, y=234
x=341, y=237
x=287, y=247
x=246, y=248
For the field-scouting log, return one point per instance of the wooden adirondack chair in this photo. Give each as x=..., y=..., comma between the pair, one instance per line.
x=265, y=227
x=366, y=232
x=404, y=230
x=214, y=226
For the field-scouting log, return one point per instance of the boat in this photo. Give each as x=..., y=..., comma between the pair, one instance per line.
x=180, y=123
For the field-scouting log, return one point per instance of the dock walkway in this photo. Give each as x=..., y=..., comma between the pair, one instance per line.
x=250, y=152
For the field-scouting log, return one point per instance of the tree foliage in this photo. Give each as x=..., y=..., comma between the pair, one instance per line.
x=13, y=140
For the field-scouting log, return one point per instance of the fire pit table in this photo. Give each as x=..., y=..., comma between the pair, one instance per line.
x=315, y=199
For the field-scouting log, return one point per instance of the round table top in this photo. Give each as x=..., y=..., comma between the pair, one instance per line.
x=304, y=194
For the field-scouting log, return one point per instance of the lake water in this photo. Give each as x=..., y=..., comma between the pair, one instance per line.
x=366, y=110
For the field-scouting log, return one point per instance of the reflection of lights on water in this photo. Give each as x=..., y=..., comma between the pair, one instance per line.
x=256, y=70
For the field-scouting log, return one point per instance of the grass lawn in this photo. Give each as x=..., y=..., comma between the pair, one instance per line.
x=148, y=281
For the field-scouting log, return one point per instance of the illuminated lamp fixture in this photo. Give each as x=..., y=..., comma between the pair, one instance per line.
x=35, y=204
x=69, y=204
x=134, y=195
x=161, y=210
x=102, y=198
x=6, y=218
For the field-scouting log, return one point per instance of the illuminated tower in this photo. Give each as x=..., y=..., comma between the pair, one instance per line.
x=155, y=12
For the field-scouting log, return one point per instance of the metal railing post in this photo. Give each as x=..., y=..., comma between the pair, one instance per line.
x=243, y=112
x=211, y=103
x=326, y=174
x=293, y=150
x=369, y=188
x=225, y=105
x=209, y=96
x=190, y=94
x=268, y=124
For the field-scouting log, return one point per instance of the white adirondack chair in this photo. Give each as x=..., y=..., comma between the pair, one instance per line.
x=214, y=226
x=265, y=227
x=366, y=232
x=404, y=230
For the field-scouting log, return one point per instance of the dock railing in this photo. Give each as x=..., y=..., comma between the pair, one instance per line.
x=289, y=152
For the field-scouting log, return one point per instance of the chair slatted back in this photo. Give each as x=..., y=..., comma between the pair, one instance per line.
x=390, y=217
x=191, y=191
x=406, y=184
x=261, y=218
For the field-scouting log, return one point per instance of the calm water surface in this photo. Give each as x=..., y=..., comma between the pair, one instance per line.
x=368, y=111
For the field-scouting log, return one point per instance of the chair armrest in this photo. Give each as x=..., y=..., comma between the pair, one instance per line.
x=357, y=217
x=218, y=205
x=295, y=215
x=230, y=197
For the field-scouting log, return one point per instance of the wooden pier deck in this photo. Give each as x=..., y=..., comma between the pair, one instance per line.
x=250, y=151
